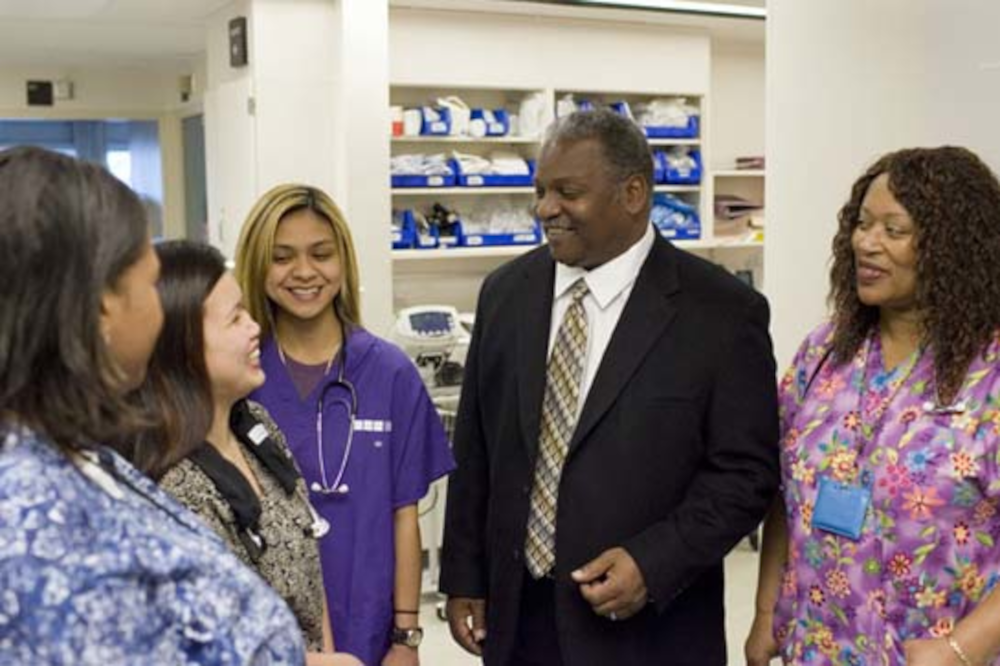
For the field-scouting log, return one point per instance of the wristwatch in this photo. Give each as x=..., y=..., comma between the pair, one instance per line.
x=409, y=637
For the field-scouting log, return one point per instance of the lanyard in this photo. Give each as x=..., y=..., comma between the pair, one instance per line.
x=870, y=421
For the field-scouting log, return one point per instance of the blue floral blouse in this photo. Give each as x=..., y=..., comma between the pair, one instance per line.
x=95, y=570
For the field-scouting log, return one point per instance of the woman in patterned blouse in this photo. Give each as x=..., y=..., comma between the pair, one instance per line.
x=220, y=455
x=882, y=550
x=97, y=565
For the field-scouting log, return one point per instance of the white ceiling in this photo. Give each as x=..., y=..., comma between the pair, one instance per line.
x=111, y=32
x=112, y=10
x=171, y=33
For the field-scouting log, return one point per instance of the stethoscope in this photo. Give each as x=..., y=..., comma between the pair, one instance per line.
x=932, y=407
x=350, y=406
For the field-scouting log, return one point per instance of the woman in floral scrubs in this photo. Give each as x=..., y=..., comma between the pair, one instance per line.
x=883, y=550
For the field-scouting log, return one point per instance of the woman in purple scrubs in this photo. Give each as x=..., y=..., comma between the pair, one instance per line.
x=355, y=413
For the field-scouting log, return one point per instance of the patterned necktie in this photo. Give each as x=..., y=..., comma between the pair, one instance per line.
x=559, y=412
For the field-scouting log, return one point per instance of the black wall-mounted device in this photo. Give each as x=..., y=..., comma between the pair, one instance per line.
x=238, y=56
x=40, y=93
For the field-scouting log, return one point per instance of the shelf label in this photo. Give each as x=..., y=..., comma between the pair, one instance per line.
x=435, y=181
x=474, y=180
x=473, y=240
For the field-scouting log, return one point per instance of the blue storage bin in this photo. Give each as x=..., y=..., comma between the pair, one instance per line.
x=659, y=167
x=426, y=241
x=669, y=175
x=533, y=237
x=674, y=219
x=429, y=127
x=493, y=180
x=451, y=240
x=421, y=180
x=500, y=125
x=690, y=131
x=405, y=237
x=405, y=180
x=404, y=230
x=622, y=108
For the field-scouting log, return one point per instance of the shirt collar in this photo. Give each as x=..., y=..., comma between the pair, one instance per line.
x=609, y=279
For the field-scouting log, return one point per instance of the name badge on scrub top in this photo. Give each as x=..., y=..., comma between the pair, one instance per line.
x=841, y=508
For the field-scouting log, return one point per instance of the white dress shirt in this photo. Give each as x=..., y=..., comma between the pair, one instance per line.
x=610, y=285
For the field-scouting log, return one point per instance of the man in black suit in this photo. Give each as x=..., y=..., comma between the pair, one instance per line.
x=617, y=433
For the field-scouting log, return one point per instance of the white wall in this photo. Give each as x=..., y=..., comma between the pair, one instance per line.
x=846, y=81
x=311, y=107
x=230, y=134
x=737, y=102
x=842, y=88
x=99, y=92
x=495, y=50
x=963, y=80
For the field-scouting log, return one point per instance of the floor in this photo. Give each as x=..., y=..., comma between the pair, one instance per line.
x=741, y=584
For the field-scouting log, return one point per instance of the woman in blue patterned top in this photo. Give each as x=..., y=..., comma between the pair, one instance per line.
x=97, y=565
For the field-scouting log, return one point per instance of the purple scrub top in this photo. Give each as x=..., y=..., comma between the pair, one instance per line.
x=399, y=448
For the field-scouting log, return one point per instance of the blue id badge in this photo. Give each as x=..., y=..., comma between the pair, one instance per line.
x=841, y=507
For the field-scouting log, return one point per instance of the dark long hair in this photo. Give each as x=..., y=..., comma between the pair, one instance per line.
x=68, y=231
x=954, y=200
x=178, y=390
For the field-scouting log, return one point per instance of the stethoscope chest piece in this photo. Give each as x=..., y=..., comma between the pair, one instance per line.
x=320, y=527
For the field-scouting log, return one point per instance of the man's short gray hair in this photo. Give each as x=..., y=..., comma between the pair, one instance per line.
x=623, y=143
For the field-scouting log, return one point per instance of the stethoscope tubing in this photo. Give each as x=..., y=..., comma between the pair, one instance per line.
x=338, y=487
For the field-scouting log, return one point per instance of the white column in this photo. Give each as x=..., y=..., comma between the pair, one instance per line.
x=362, y=173
x=846, y=81
x=311, y=107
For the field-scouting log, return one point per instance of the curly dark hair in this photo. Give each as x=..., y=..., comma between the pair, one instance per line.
x=954, y=201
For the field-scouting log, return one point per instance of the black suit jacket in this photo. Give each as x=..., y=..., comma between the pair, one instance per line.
x=674, y=457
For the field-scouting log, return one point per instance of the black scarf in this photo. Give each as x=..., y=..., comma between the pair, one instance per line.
x=231, y=483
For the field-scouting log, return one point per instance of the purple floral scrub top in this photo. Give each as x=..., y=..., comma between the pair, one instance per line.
x=927, y=555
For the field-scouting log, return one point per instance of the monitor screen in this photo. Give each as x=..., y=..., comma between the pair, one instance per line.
x=431, y=322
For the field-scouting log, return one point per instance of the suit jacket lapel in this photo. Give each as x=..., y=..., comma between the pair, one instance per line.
x=646, y=316
x=532, y=346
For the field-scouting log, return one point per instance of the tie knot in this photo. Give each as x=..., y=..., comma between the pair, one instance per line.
x=579, y=290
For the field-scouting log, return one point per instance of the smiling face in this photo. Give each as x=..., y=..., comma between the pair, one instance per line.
x=232, y=342
x=305, y=274
x=589, y=216
x=885, y=250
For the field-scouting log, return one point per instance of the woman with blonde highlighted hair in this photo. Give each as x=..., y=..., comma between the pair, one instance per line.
x=355, y=414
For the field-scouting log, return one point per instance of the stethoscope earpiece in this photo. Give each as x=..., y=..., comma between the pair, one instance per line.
x=319, y=488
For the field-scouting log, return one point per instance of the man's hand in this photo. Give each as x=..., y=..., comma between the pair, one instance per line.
x=613, y=585
x=930, y=652
x=467, y=621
